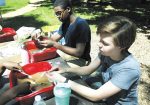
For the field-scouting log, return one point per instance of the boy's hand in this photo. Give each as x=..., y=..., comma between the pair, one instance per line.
x=55, y=77
x=58, y=70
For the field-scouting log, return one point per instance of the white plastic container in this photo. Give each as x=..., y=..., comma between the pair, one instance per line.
x=39, y=101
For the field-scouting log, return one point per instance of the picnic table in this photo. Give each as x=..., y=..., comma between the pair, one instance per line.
x=75, y=99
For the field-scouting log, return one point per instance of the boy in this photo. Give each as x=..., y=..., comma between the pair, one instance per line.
x=119, y=70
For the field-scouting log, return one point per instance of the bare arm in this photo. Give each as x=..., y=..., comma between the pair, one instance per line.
x=85, y=70
x=77, y=52
x=13, y=92
x=105, y=91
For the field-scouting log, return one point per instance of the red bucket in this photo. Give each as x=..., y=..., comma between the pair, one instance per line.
x=17, y=77
x=33, y=68
x=30, y=45
x=37, y=55
x=7, y=34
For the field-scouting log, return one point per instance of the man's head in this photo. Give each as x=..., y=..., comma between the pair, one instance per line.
x=63, y=9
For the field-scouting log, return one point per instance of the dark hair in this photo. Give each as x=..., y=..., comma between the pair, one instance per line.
x=121, y=29
x=63, y=3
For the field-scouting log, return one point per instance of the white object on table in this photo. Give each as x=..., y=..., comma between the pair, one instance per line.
x=10, y=49
x=24, y=32
x=39, y=101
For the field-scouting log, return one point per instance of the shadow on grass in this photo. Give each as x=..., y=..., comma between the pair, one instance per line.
x=46, y=3
x=29, y=21
x=5, y=9
x=139, y=13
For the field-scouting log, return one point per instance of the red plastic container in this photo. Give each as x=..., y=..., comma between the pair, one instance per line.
x=36, y=54
x=30, y=45
x=33, y=68
x=7, y=34
x=27, y=99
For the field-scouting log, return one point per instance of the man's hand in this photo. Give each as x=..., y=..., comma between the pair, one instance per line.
x=47, y=42
x=13, y=92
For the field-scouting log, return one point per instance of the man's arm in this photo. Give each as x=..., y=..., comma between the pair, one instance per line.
x=13, y=92
x=77, y=52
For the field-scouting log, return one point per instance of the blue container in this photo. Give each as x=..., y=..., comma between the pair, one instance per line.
x=62, y=94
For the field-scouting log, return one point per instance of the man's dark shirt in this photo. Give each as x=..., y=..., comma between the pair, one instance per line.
x=78, y=32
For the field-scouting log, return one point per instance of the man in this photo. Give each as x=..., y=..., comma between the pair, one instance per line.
x=76, y=32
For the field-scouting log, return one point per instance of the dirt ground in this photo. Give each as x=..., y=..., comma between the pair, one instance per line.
x=140, y=49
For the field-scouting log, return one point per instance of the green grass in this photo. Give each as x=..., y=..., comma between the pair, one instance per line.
x=44, y=14
x=12, y=5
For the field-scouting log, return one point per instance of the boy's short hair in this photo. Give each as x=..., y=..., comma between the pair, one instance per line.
x=121, y=28
x=63, y=3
